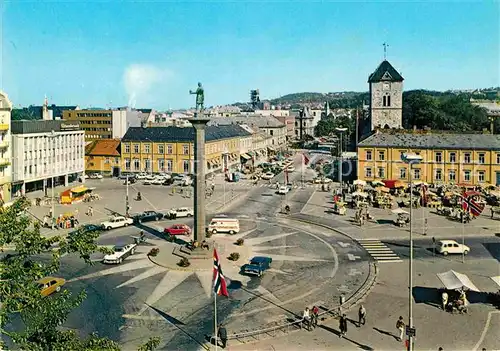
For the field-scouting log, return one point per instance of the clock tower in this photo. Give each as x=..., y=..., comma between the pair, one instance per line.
x=386, y=97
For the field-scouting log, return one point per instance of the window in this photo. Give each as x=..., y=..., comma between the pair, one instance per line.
x=467, y=176
x=185, y=149
x=467, y=157
x=185, y=166
x=161, y=165
x=439, y=157
x=381, y=172
x=147, y=148
x=452, y=175
x=137, y=165
x=416, y=173
x=402, y=173
x=170, y=164
x=368, y=155
x=481, y=158
x=438, y=174
x=271, y=132
x=136, y=148
x=127, y=148
x=127, y=164
x=453, y=157
x=498, y=158
x=381, y=155
x=481, y=176
x=106, y=160
x=368, y=172
x=161, y=149
x=170, y=149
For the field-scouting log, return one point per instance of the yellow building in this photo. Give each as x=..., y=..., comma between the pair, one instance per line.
x=446, y=158
x=170, y=149
x=103, y=156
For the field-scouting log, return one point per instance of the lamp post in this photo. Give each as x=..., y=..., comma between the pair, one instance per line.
x=52, y=136
x=340, y=130
x=411, y=159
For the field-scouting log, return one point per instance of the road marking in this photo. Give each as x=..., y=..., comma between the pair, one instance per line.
x=243, y=216
x=352, y=257
x=379, y=251
x=344, y=245
x=354, y=272
x=485, y=330
x=344, y=289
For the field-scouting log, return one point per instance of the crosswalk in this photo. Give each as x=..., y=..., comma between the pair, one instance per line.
x=379, y=251
x=273, y=185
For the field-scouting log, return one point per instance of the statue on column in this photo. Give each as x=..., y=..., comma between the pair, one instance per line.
x=200, y=97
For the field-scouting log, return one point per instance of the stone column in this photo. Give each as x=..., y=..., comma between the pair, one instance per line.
x=199, y=125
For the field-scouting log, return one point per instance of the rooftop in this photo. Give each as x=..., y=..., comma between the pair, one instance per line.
x=182, y=134
x=103, y=147
x=433, y=140
x=43, y=126
x=259, y=121
x=385, y=72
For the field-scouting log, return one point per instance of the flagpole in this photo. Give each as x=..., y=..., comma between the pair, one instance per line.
x=463, y=239
x=215, y=322
x=302, y=171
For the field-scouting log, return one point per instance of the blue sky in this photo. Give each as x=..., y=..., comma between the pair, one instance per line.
x=95, y=53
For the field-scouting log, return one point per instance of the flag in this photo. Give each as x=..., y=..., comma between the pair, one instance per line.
x=305, y=159
x=220, y=287
x=286, y=176
x=424, y=195
x=471, y=205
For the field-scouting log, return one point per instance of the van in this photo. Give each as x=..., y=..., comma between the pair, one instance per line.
x=224, y=225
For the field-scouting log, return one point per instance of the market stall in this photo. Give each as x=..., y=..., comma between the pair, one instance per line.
x=403, y=217
x=77, y=194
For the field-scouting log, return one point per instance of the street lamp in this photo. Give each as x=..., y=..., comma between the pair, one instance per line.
x=410, y=159
x=340, y=130
x=52, y=136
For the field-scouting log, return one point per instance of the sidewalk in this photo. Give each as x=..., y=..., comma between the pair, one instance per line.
x=388, y=300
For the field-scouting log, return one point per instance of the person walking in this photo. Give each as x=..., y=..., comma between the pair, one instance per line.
x=222, y=335
x=361, y=315
x=343, y=325
x=400, y=326
x=306, y=318
x=314, y=316
x=444, y=299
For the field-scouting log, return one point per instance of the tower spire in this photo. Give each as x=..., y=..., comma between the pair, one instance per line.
x=385, y=45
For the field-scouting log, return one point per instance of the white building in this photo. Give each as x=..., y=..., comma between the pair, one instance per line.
x=46, y=150
x=5, y=148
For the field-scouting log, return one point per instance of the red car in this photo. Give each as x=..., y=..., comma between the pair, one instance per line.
x=178, y=229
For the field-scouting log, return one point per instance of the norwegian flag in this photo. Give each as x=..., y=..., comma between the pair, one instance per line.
x=305, y=159
x=471, y=205
x=220, y=287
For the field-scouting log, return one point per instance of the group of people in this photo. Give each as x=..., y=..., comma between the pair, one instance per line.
x=460, y=304
x=310, y=319
x=60, y=222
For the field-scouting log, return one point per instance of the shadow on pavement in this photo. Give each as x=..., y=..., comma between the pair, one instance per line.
x=493, y=249
x=361, y=346
x=386, y=333
x=432, y=296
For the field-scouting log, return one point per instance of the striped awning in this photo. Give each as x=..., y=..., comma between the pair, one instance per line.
x=246, y=156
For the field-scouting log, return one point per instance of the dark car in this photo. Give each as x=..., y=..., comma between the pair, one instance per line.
x=257, y=265
x=86, y=228
x=168, y=181
x=147, y=216
x=124, y=176
x=131, y=180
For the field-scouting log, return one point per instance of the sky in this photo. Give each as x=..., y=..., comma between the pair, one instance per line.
x=149, y=54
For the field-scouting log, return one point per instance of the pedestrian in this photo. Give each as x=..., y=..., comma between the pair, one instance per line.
x=314, y=317
x=400, y=326
x=222, y=335
x=444, y=299
x=343, y=325
x=440, y=349
x=361, y=315
x=306, y=318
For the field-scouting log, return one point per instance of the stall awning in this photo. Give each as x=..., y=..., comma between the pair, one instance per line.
x=359, y=182
x=399, y=211
x=251, y=153
x=246, y=156
x=455, y=281
x=79, y=189
x=496, y=279
x=270, y=148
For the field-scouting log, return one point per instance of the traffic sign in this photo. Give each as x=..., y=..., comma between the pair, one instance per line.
x=411, y=331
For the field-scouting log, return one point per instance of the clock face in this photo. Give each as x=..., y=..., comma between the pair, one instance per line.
x=386, y=86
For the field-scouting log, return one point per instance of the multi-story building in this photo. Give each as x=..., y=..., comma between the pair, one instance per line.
x=289, y=122
x=46, y=152
x=258, y=151
x=5, y=148
x=103, y=156
x=171, y=149
x=446, y=158
x=304, y=123
x=107, y=124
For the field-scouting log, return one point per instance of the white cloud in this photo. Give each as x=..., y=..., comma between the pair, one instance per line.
x=140, y=79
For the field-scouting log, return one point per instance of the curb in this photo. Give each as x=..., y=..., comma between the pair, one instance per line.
x=183, y=269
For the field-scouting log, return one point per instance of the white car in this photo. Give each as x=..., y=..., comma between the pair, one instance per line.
x=187, y=181
x=181, y=212
x=157, y=181
x=141, y=176
x=117, y=222
x=267, y=176
x=120, y=253
x=290, y=169
x=95, y=176
x=283, y=190
x=446, y=247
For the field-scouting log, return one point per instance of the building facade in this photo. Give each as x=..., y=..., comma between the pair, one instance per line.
x=103, y=156
x=289, y=122
x=5, y=148
x=447, y=158
x=386, y=97
x=171, y=149
x=46, y=151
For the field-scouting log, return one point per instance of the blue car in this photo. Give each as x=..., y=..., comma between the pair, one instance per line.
x=257, y=265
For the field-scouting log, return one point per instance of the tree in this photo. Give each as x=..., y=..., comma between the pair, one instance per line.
x=32, y=257
x=327, y=127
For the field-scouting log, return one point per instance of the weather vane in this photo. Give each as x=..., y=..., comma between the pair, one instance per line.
x=385, y=45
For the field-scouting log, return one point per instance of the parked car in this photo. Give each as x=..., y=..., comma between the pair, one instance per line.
x=187, y=181
x=283, y=190
x=120, y=252
x=178, y=177
x=147, y=216
x=178, y=229
x=129, y=181
x=446, y=247
x=267, y=176
x=290, y=169
x=95, y=176
x=258, y=265
x=117, y=222
x=150, y=176
x=124, y=176
x=168, y=181
x=86, y=228
x=180, y=212
x=50, y=285
x=157, y=181
x=142, y=176
x=147, y=182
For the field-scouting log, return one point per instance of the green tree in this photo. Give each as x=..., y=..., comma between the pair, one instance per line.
x=327, y=127
x=32, y=256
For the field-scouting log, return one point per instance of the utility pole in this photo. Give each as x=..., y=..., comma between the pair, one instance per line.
x=127, y=207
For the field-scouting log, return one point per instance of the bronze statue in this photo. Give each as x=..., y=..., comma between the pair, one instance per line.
x=200, y=97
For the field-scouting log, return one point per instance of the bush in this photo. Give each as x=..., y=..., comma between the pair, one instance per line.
x=234, y=256
x=240, y=242
x=154, y=252
x=184, y=262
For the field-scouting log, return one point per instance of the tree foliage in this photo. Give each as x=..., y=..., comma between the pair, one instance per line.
x=327, y=127
x=30, y=257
